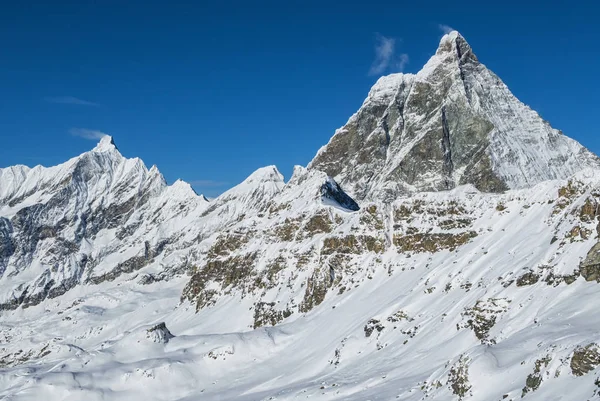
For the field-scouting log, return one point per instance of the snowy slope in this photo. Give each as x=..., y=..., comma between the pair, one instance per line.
x=412, y=298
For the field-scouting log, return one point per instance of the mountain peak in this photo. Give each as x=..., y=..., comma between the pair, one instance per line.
x=106, y=143
x=451, y=36
x=183, y=189
x=453, y=123
x=454, y=43
x=265, y=174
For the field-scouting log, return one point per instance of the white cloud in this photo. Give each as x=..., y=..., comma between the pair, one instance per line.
x=70, y=100
x=445, y=28
x=402, y=62
x=87, y=133
x=385, y=56
x=384, y=51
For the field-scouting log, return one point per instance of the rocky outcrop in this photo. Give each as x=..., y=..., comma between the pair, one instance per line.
x=159, y=333
x=534, y=380
x=585, y=359
x=266, y=314
x=331, y=191
x=590, y=267
x=482, y=317
x=458, y=378
x=7, y=247
x=528, y=278
x=434, y=242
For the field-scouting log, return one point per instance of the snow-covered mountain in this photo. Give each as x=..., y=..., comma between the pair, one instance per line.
x=463, y=262
x=453, y=123
x=85, y=221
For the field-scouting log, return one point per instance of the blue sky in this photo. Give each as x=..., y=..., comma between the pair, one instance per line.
x=210, y=92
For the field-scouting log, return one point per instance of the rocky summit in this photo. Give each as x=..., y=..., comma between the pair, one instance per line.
x=443, y=245
x=451, y=124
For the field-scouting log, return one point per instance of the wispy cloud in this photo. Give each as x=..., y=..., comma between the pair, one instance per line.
x=385, y=56
x=70, y=100
x=85, y=133
x=445, y=28
x=208, y=183
x=402, y=62
x=384, y=51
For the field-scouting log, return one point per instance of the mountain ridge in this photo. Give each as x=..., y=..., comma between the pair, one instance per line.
x=452, y=123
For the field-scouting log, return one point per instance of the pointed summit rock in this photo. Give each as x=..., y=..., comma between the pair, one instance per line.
x=106, y=143
x=453, y=123
x=454, y=42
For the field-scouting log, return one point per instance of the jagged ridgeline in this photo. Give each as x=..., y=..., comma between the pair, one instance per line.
x=444, y=245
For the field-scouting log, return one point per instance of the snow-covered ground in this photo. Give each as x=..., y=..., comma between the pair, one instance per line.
x=92, y=342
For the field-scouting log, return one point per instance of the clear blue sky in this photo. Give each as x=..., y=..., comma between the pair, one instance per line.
x=209, y=92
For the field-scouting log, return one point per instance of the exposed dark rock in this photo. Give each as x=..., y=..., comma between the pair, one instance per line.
x=373, y=325
x=110, y=217
x=590, y=210
x=482, y=317
x=534, y=380
x=585, y=359
x=147, y=279
x=318, y=224
x=452, y=124
x=399, y=316
x=132, y=264
x=235, y=272
x=458, y=378
x=227, y=243
x=332, y=191
x=590, y=267
x=266, y=314
x=316, y=290
x=424, y=242
x=528, y=278
x=287, y=230
x=159, y=333
x=372, y=218
x=7, y=247
x=352, y=244
x=452, y=224
x=554, y=279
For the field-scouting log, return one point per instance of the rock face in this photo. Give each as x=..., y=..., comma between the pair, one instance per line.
x=331, y=191
x=585, y=359
x=453, y=123
x=159, y=333
x=590, y=267
x=59, y=226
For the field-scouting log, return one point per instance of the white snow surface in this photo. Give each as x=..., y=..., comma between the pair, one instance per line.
x=92, y=342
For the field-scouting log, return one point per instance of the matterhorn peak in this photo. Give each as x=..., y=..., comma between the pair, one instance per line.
x=454, y=43
x=106, y=143
x=453, y=123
